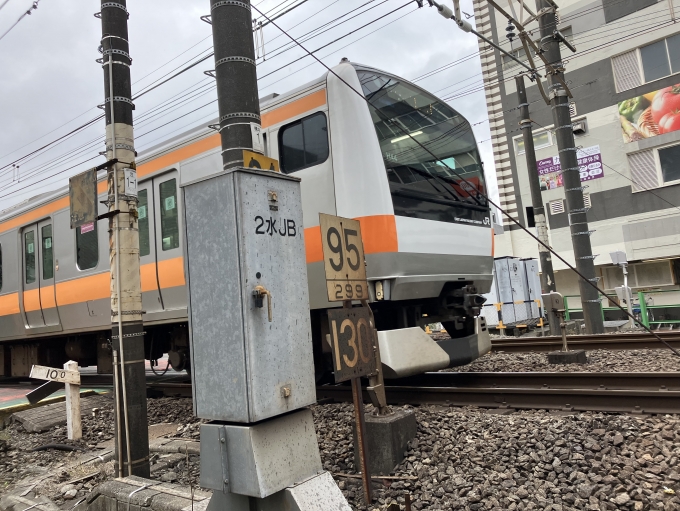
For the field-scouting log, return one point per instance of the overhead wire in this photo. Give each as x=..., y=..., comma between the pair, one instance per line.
x=30, y=173
x=33, y=7
x=600, y=291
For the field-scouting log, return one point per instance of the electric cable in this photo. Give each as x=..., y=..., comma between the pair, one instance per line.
x=33, y=7
x=379, y=113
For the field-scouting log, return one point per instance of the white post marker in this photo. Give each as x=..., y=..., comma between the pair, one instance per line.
x=70, y=376
x=74, y=426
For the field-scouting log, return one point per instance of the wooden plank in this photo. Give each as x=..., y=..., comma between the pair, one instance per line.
x=36, y=420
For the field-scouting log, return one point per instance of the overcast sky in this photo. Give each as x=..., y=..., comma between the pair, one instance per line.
x=51, y=84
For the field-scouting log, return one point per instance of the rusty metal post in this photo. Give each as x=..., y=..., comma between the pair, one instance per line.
x=361, y=438
x=407, y=502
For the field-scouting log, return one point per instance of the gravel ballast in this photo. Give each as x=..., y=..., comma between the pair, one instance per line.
x=599, y=361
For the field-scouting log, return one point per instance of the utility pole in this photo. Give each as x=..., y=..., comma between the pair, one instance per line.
x=236, y=77
x=126, y=295
x=547, y=275
x=573, y=190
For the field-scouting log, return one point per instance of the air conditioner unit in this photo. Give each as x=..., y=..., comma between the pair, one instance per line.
x=579, y=128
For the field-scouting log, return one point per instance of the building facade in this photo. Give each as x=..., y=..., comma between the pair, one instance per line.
x=625, y=81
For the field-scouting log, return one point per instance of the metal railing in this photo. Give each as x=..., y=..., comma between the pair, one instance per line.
x=643, y=310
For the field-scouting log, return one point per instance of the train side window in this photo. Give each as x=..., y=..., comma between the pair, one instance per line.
x=47, y=252
x=143, y=212
x=87, y=248
x=29, y=256
x=169, y=217
x=303, y=143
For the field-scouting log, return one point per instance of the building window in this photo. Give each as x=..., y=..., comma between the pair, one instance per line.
x=303, y=143
x=669, y=163
x=47, y=252
x=143, y=225
x=661, y=58
x=87, y=248
x=29, y=256
x=617, y=9
x=541, y=139
x=169, y=216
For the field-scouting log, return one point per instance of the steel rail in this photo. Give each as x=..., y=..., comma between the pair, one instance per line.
x=604, y=392
x=587, y=342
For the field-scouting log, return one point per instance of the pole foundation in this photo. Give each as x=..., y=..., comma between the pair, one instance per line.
x=387, y=438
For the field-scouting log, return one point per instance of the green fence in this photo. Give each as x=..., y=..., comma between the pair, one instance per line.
x=644, y=313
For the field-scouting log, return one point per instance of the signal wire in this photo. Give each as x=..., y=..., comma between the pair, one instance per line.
x=406, y=132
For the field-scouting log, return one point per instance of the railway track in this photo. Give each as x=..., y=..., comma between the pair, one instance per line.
x=657, y=393
x=602, y=392
x=623, y=341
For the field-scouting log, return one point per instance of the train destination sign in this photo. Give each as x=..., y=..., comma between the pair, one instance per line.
x=343, y=257
x=352, y=341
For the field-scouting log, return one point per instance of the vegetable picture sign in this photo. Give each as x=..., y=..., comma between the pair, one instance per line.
x=651, y=114
x=590, y=167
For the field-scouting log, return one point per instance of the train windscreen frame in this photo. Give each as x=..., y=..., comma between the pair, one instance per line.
x=410, y=124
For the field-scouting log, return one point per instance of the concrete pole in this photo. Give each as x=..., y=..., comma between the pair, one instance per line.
x=237, y=96
x=126, y=294
x=547, y=274
x=573, y=190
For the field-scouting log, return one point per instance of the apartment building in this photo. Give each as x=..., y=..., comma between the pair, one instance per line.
x=625, y=80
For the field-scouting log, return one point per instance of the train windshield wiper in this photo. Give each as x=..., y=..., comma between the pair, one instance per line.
x=446, y=182
x=413, y=194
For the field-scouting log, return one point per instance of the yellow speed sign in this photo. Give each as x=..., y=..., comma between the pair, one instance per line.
x=343, y=257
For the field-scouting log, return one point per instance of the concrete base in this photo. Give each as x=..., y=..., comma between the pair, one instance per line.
x=320, y=493
x=387, y=439
x=568, y=357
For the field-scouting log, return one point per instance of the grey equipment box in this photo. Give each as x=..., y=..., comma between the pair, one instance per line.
x=244, y=229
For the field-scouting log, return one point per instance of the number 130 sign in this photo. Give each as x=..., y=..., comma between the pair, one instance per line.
x=343, y=254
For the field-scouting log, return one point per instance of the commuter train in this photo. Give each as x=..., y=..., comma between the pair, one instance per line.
x=426, y=229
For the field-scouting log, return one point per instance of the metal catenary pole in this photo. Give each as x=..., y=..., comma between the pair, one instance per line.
x=573, y=190
x=126, y=295
x=547, y=275
x=237, y=95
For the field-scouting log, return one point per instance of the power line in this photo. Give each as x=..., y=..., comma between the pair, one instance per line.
x=33, y=7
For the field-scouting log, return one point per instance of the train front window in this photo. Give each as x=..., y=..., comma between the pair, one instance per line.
x=430, y=154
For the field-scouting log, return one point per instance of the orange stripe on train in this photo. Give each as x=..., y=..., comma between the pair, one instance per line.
x=84, y=289
x=9, y=304
x=31, y=300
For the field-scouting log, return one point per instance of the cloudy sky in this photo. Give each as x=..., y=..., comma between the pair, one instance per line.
x=50, y=83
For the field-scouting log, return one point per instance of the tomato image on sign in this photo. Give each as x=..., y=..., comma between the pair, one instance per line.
x=651, y=114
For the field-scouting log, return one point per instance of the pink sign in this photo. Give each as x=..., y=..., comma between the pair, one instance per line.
x=86, y=228
x=589, y=160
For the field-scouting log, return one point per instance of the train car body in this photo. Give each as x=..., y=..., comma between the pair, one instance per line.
x=427, y=233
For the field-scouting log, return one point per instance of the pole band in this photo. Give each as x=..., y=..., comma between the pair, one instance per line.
x=116, y=5
x=239, y=114
x=234, y=59
x=229, y=2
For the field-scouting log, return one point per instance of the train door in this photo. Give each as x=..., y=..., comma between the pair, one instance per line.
x=31, y=282
x=48, y=302
x=151, y=296
x=168, y=241
x=39, y=303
